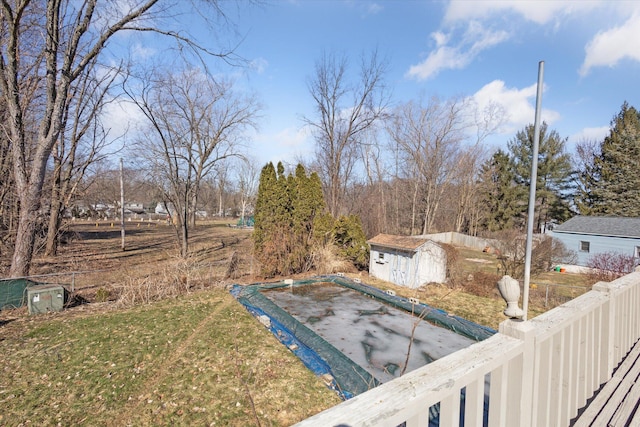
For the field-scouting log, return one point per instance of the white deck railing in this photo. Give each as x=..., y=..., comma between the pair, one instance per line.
x=534, y=373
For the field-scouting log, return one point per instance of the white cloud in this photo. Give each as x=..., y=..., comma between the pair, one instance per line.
x=259, y=65
x=440, y=38
x=443, y=58
x=286, y=145
x=590, y=134
x=122, y=119
x=475, y=39
x=540, y=12
x=519, y=104
x=140, y=52
x=607, y=48
x=374, y=8
x=291, y=137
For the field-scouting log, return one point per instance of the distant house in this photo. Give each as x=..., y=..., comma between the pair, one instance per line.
x=134, y=207
x=407, y=261
x=591, y=235
x=161, y=209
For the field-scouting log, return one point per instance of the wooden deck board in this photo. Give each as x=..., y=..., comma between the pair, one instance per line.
x=616, y=403
x=627, y=408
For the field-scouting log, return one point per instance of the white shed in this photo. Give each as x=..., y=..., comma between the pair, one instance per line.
x=407, y=260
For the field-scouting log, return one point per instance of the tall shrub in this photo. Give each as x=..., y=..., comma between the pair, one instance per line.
x=288, y=211
x=351, y=241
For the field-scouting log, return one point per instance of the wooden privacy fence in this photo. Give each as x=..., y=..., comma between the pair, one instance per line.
x=532, y=373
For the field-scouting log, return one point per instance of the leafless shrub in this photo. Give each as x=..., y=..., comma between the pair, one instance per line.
x=549, y=252
x=607, y=266
x=232, y=268
x=180, y=276
x=483, y=284
x=545, y=253
x=144, y=291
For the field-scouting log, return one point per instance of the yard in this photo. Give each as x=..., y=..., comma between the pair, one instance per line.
x=157, y=340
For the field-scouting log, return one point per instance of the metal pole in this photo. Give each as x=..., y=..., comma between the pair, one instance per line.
x=532, y=193
x=122, y=232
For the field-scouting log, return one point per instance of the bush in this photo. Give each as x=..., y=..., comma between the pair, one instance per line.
x=102, y=295
x=351, y=241
x=545, y=253
x=483, y=284
x=607, y=266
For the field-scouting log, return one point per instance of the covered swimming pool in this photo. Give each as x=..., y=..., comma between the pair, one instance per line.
x=353, y=335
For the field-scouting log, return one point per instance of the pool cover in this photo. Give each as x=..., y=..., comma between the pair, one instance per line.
x=339, y=371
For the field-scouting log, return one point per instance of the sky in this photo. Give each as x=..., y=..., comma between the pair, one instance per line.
x=488, y=50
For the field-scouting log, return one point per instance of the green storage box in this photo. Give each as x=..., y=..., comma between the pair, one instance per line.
x=45, y=298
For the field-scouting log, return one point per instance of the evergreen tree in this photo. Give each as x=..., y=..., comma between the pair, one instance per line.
x=287, y=211
x=502, y=199
x=307, y=204
x=351, y=241
x=272, y=221
x=617, y=188
x=586, y=176
x=554, y=174
x=264, y=209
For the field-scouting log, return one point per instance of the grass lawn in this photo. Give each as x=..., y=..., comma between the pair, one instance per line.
x=169, y=345
x=199, y=359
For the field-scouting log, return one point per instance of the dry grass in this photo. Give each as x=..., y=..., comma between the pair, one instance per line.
x=170, y=346
x=195, y=360
x=164, y=343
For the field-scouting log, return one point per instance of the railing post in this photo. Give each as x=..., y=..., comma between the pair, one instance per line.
x=521, y=387
x=607, y=333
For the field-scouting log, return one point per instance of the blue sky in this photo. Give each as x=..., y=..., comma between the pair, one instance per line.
x=488, y=50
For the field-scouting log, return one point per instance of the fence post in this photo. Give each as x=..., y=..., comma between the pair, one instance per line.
x=523, y=385
x=546, y=296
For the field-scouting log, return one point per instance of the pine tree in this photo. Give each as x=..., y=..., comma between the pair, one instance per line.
x=307, y=204
x=502, y=198
x=264, y=209
x=554, y=174
x=586, y=177
x=288, y=209
x=617, y=189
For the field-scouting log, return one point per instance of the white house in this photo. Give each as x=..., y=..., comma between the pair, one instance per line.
x=592, y=235
x=407, y=260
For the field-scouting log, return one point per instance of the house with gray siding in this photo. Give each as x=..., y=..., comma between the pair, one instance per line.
x=591, y=235
x=410, y=261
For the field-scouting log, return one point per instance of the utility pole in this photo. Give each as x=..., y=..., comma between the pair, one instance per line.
x=122, y=233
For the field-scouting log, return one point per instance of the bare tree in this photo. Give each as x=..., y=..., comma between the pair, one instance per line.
x=370, y=199
x=100, y=188
x=222, y=183
x=194, y=125
x=81, y=141
x=428, y=138
x=44, y=48
x=465, y=182
x=248, y=177
x=437, y=151
x=345, y=111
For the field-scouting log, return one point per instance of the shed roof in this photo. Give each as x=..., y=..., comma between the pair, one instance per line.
x=602, y=226
x=398, y=242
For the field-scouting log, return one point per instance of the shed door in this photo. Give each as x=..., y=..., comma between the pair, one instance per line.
x=398, y=270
